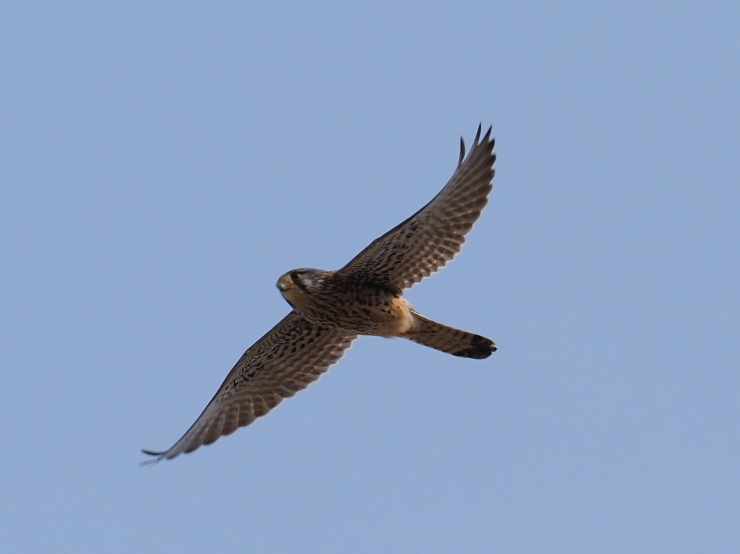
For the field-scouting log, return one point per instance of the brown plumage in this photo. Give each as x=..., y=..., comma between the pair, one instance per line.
x=331, y=308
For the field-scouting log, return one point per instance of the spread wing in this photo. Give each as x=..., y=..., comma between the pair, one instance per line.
x=431, y=237
x=291, y=356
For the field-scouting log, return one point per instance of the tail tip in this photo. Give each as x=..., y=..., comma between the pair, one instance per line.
x=479, y=348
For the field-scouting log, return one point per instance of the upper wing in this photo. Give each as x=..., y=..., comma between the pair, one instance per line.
x=432, y=236
x=291, y=356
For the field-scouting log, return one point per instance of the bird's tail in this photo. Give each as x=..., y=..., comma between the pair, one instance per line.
x=453, y=341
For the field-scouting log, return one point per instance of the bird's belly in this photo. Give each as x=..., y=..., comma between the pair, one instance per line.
x=387, y=316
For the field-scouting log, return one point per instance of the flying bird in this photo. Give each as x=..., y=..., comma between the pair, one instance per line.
x=331, y=308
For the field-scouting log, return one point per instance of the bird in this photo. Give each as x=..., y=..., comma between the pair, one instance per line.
x=330, y=309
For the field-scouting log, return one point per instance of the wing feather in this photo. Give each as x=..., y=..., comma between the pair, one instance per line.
x=291, y=356
x=431, y=237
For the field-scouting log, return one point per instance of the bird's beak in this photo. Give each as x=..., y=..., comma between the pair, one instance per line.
x=284, y=283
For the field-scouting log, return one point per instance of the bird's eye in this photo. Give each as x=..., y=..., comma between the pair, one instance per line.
x=295, y=276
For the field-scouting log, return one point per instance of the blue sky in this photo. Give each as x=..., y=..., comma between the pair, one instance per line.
x=163, y=163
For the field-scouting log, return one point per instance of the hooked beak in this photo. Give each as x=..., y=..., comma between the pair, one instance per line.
x=285, y=283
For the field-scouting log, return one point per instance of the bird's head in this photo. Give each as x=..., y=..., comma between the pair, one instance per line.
x=298, y=284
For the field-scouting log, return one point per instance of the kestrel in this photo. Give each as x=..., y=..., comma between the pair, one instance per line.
x=331, y=308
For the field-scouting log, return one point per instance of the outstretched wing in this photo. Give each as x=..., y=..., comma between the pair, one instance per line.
x=431, y=237
x=291, y=356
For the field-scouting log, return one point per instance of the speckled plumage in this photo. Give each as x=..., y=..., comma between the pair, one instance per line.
x=331, y=308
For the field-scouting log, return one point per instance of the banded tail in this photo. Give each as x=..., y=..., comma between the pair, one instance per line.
x=450, y=340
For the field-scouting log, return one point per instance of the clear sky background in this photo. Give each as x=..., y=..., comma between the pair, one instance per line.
x=163, y=163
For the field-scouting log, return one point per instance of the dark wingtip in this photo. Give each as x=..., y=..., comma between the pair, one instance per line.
x=462, y=152
x=159, y=456
x=487, y=136
x=477, y=134
x=477, y=141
